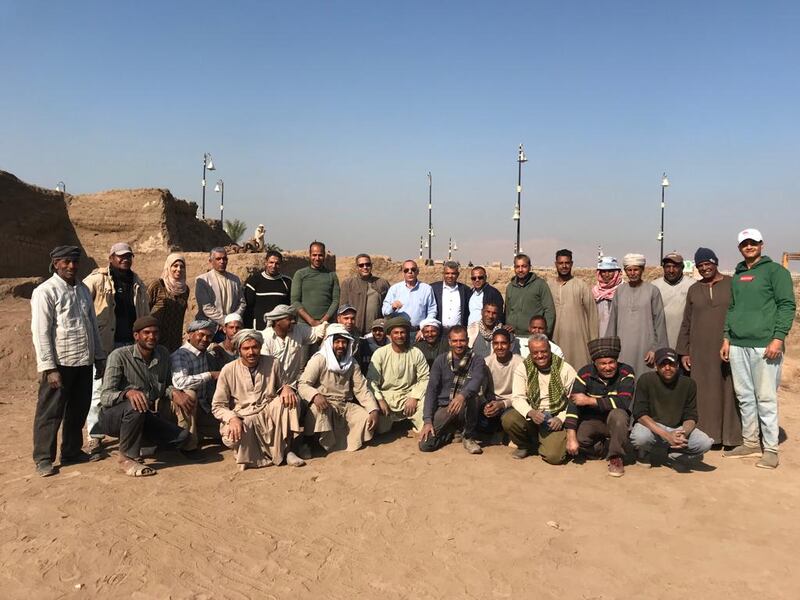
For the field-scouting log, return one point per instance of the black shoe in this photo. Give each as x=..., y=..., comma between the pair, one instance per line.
x=45, y=468
x=195, y=455
x=76, y=459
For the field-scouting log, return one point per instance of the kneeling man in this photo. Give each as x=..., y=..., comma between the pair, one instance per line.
x=341, y=408
x=665, y=410
x=539, y=394
x=599, y=410
x=259, y=414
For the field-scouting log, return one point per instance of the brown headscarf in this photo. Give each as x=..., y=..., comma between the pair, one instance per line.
x=175, y=287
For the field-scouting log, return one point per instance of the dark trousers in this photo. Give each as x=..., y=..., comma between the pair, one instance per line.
x=445, y=425
x=126, y=423
x=604, y=439
x=70, y=404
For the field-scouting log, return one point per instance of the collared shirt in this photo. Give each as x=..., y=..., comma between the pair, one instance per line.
x=475, y=306
x=418, y=302
x=64, y=326
x=190, y=371
x=451, y=306
x=127, y=370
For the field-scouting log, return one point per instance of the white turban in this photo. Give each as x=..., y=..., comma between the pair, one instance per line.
x=633, y=260
x=430, y=321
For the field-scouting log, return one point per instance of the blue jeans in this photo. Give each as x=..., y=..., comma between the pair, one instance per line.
x=645, y=440
x=755, y=381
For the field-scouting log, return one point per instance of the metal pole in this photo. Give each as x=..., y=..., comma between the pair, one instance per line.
x=449, y=248
x=203, y=206
x=222, y=202
x=661, y=236
x=430, y=218
x=420, y=248
x=519, y=200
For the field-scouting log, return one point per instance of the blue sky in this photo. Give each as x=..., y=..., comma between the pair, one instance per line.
x=324, y=118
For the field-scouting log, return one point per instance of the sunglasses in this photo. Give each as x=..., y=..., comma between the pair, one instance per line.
x=364, y=265
x=409, y=270
x=478, y=278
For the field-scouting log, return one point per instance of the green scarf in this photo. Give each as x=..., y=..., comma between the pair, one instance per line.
x=558, y=395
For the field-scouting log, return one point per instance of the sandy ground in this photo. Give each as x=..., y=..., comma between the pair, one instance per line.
x=391, y=522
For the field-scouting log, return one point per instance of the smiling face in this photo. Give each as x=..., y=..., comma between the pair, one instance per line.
x=316, y=255
x=537, y=325
x=430, y=333
x=450, y=276
x=458, y=343
x=708, y=270
x=201, y=339
x=672, y=271
x=177, y=269
x=399, y=337
x=410, y=271
x=540, y=353
x=66, y=268
x=340, y=344
x=478, y=277
x=522, y=266
x=501, y=347
x=123, y=262
x=750, y=249
x=147, y=338
x=378, y=334
x=347, y=319
x=489, y=315
x=249, y=353
x=606, y=367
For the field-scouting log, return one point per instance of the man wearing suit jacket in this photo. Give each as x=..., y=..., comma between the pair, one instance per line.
x=482, y=293
x=452, y=298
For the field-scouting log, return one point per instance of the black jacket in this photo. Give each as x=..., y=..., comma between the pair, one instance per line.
x=492, y=294
x=463, y=292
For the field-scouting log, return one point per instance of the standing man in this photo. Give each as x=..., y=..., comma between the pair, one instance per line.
x=365, y=292
x=673, y=287
x=698, y=345
x=481, y=293
x=67, y=343
x=608, y=279
x=637, y=317
x=120, y=297
x=265, y=290
x=452, y=298
x=759, y=319
x=315, y=288
x=576, y=312
x=410, y=299
x=528, y=295
x=397, y=377
x=218, y=292
x=453, y=398
x=599, y=409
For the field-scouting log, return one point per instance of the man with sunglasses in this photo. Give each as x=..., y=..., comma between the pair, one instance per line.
x=483, y=293
x=759, y=317
x=411, y=299
x=365, y=292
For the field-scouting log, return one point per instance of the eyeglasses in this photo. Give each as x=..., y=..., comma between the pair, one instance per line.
x=409, y=270
x=478, y=278
x=364, y=265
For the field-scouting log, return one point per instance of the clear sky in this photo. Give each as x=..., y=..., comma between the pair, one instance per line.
x=324, y=118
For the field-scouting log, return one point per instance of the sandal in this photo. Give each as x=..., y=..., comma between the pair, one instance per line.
x=131, y=468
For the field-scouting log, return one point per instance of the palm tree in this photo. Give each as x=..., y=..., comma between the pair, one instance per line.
x=235, y=229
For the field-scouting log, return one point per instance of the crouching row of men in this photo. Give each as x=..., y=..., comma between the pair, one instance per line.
x=546, y=407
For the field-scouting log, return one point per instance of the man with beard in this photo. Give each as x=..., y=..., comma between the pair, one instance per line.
x=453, y=397
x=673, y=287
x=637, y=317
x=698, y=345
x=375, y=339
x=365, y=292
x=341, y=409
x=397, y=377
x=288, y=341
x=479, y=334
x=576, y=313
x=526, y=295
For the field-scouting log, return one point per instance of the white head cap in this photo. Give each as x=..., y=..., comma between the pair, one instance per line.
x=750, y=234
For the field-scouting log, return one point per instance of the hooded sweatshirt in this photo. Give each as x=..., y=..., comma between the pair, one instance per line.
x=762, y=304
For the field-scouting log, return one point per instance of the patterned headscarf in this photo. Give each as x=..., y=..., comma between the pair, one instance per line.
x=175, y=287
x=605, y=291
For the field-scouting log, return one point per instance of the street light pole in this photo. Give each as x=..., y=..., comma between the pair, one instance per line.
x=208, y=163
x=664, y=186
x=518, y=208
x=420, y=248
x=430, y=219
x=220, y=187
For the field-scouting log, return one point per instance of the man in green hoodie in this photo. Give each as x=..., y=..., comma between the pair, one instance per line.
x=528, y=295
x=759, y=318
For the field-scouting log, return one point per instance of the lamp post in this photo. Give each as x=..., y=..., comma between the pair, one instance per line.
x=451, y=247
x=664, y=186
x=420, y=248
x=220, y=187
x=518, y=208
x=208, y=163
x=61, y=187
x=430, y=219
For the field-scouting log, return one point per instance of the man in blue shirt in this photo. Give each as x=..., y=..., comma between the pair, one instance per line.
x=410, y=298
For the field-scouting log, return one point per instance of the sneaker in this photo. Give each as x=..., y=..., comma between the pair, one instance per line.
x=615, y=467
x=768, y=461
x=520, y=453
x=472, y=446
x=44, y=468
x=742, y=452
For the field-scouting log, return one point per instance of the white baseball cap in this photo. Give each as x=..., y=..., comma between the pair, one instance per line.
x=750, y=234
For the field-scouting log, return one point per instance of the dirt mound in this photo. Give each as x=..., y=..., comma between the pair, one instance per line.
x=34, y=221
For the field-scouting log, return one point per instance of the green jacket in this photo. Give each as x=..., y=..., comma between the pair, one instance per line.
x=762, y=304
x=527, y=300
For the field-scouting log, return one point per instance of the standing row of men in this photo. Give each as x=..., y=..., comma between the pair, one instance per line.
x=672, y=312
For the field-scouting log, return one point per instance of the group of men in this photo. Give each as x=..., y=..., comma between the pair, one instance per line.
x=276, y=365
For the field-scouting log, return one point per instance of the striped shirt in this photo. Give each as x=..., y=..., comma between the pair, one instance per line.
x=190, y=371
x=262, y=293
x=617, y=392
